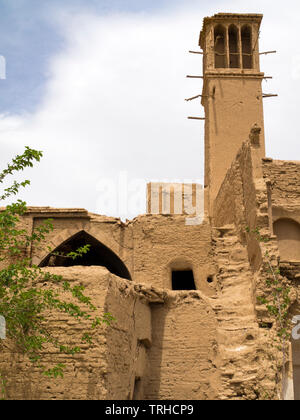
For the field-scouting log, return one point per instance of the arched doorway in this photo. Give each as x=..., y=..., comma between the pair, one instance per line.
x=98, y=254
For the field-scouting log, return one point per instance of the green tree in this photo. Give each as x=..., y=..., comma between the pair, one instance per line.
x=24, y=304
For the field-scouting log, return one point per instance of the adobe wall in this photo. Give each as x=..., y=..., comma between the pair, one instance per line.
x=85, y=373
x=135, y=357
x=284, y=179
x=128, y=339
x=149, y=245
x=144, y=354
x=67, y=222
x=184, y=351
x=165, y=241
x=107, y=368
x=243, y=200
x=256, y=193
x=229, y=95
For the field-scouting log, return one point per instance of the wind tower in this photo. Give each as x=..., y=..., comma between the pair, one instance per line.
x=232, y=91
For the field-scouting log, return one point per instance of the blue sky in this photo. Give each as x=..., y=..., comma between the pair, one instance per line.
x=99, y=86
x=29, y=36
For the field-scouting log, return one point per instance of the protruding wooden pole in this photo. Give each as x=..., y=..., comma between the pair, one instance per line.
x=196, y=52
x=194, y=97
x=268, y=95
x=194, y=77
x=196, y=118
x=268, y=52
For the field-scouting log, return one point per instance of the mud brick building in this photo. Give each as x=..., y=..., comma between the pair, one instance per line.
x=189, y=325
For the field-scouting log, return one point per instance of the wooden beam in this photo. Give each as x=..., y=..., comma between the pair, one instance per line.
x=196, y=52
x=268, y=52
x=194, y=97
x=268, y=95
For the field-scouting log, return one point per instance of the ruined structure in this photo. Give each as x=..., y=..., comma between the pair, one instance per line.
x=184, y=290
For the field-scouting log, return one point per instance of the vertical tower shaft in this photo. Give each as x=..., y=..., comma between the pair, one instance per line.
x=232, y=91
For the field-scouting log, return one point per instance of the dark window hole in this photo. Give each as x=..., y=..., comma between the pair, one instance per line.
x=266, y=325
x=183, y=280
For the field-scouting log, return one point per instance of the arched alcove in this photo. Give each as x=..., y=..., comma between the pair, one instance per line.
x=246, y=36
x=220, y=50
x=98, y=254
x=288, y=236
x=234, y=55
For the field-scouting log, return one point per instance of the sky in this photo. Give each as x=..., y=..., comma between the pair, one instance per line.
x=99, y=87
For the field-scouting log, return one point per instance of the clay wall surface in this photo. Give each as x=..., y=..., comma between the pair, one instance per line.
x=183, y=355
x=128, y=339
x=142, y=355
x=110, y=231
x=283, y=178
x=243, y=200
x=105, y=369
x=85, y=373
x=149, y=245
x=235, y=107
x=162, y=242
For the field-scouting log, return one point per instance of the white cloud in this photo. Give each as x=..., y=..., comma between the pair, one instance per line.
x=115, y=101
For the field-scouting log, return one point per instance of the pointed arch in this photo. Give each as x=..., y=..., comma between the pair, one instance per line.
x=220, y=46
x=246, y=37
x=99, y=254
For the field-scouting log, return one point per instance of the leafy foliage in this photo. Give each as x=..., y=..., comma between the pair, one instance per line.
x=24, y=302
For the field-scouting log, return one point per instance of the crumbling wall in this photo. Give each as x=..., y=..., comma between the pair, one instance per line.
x=85, y=373
x=243, y=200
x=162, y=240
x=104, y=369
x=162, y=345
x=110, y=231
x=243, y=204
x=182, y=358
x=284, y=177
x=128, y=339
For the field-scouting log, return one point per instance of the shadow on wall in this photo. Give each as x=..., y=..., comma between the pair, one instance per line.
x=98, y=254
x=288, y=236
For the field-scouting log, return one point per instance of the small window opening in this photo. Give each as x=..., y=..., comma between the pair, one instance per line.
x=246, y=47
x=210, y=279
x=183, y=280
x=220, y=53
x=234, y=55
